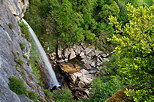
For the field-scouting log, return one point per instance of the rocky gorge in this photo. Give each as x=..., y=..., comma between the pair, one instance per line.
x=77, y=65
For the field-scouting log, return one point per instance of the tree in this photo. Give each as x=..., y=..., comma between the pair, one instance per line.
x=134, y=53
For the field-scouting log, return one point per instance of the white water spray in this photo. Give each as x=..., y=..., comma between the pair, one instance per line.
x=51, y=74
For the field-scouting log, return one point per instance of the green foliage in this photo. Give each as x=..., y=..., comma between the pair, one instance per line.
x=33, y=15
x=25, y=31
x=10, y=26
x=60, y=95
x=32, y=96
x=68, y=22
x=63, y=95
x=17, y=85
x=19, y=61
x=103, y=88
x=134, y=52
x=148, y=2
x=25, y=56
x=22, y=46
x=48, y=93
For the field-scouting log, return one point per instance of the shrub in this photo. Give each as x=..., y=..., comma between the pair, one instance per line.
x=135, y=53
x=25, y=56
x=32, y=96
x=48, y=93
x=119, y=96
x=60, y=95
x=19, y=61
x=17, y=85
x=25, y=31
x=10, y=26
x=103, y=90
x=22, y=46
x=64, y=94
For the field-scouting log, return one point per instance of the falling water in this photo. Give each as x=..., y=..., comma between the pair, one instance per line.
x=51, y=74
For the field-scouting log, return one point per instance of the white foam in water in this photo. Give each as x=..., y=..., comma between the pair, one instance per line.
x=52, y=77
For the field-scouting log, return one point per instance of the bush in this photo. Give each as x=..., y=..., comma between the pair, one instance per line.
x=10, y=26
x=103, y=90
x=135, y=53
x=32, y=96
x=25, y=31
x=19, y=61
x=60, y=95
x=48, y=93
x=22, y=46
x=119, y=96
x=17, y=85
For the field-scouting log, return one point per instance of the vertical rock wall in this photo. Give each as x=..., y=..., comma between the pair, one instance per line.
x=10, y=52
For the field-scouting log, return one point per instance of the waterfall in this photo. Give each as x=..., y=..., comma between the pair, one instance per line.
x=47, y=65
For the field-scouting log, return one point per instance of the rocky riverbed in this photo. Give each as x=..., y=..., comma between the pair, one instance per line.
x=78, y=67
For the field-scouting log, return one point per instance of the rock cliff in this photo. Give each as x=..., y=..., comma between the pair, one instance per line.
x=11, y=52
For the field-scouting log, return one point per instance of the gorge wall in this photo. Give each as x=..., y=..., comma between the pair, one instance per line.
x=11, y=53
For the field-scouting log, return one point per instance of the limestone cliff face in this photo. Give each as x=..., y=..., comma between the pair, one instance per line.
x=10, y=52
x=17, y=7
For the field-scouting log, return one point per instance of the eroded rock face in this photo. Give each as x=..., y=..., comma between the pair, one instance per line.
x=17, y=7
x=10, y=52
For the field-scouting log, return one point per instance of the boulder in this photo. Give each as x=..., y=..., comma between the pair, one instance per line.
x=88, y=50
x=82, y=54
x=66, y=53
x=60, y=53
x=84, y=76
x=70, y=68
x=72, y=54
x=98, y=52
